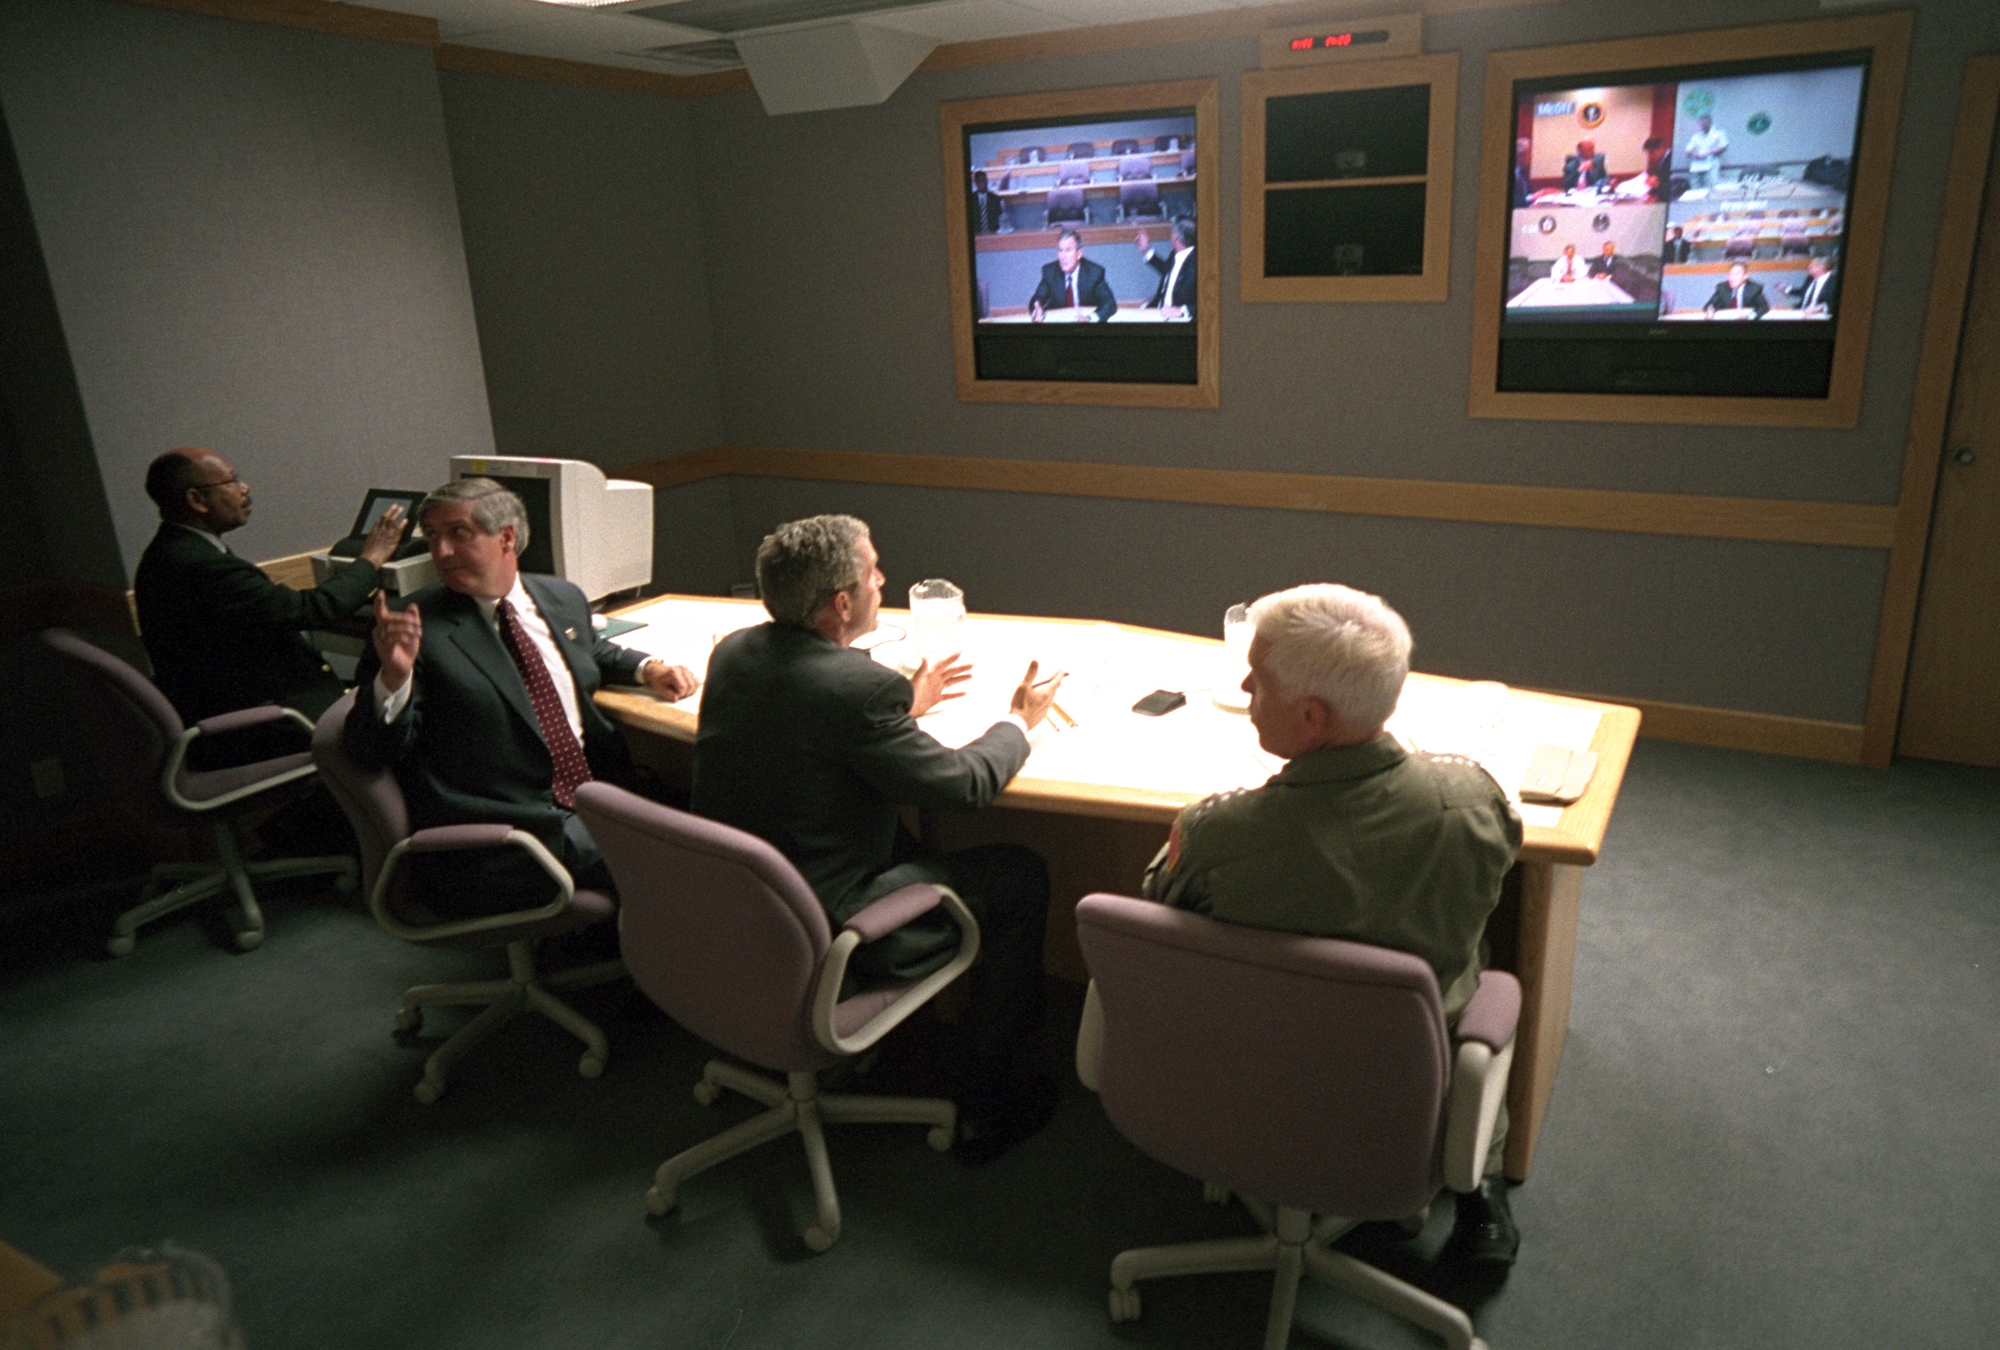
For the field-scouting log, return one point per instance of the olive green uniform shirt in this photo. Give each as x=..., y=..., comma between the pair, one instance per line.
x=1364, y=842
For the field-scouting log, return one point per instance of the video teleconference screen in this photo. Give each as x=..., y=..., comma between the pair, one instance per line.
x=1680, y=231
x=1082, y=239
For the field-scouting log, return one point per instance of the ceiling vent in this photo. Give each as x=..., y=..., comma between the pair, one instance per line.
x=738, y=16
x=715, y=54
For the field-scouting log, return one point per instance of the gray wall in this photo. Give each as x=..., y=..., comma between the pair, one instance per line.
x=253, y=245
x=1376, y=390
x=588, y=273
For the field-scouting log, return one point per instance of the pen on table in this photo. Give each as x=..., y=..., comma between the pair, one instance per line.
x=1056, y=707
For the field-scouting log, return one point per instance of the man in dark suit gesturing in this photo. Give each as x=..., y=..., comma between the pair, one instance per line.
x=1177, y=289
x=221, y=634
x=478, y=694
x=1739, y=292
x=813, y=746
x=1073, y=281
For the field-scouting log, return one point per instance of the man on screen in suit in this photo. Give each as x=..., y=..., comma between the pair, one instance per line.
x=986, y=206
x=1739, y=292
x=1175, y=297
x=1073, y=281
x=814, y=746
x=1821, y=289
x=221, y=635
x=478, y=694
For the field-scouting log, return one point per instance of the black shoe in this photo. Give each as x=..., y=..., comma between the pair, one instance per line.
x=985, y=1132
x=1485, y=1234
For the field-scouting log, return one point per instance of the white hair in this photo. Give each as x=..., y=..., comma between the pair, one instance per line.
x=1343, y=647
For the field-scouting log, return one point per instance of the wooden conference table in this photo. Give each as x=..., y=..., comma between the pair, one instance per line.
x=1095, y=799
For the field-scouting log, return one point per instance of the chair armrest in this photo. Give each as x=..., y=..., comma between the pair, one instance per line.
x=459, y=839
x=833, y=971
x=1482, y=1059
x=1090, y=1039
x=222, y=724
x=892, y=911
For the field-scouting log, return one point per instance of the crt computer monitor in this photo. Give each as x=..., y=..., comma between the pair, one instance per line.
x=592, y=531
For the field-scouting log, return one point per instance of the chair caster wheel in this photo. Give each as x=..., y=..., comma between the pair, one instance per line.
x=428, y=1092
x=706, y=1092
x=591, y=1065
x=817, y=1238
x=658, y=1204
x=1124, y=1305
x=1214, y=1194
x=121, y=944
x=939, y=1138
x=408, y=1020
x=250, y=940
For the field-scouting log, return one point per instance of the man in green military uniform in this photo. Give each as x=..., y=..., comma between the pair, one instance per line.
x=1356, y=837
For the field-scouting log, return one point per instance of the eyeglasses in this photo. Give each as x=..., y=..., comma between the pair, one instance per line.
x=234, y=480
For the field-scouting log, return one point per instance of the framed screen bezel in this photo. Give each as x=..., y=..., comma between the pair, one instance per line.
x=1094, y=104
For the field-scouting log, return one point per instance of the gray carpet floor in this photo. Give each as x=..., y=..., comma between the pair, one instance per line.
x=1774, y=1126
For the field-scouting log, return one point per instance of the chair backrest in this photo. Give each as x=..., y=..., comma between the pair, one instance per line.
x=1304, y=1071
x=124, y=720
x=718, y=928
x=1124, y=145
x=371, y=798
x=1083, y=150
x=1139, y=198
x=1073, y=173
x=1065, y=204
x=1187, y=163
x=1135, y=166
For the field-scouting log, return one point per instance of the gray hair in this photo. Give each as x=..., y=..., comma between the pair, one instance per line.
x=803, y=564
x=493, y=507
x=1343, y=647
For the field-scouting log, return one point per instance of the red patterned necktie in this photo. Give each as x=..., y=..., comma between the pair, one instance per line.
x=571, y=767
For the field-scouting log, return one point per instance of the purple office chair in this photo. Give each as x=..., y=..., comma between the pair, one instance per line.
x=1065, y=203
x=1072, y=174
x=373, y=802
x=1314, y=1078
x=1742, y=244
x=142, y=745
x=725, y=935
x=1135, y=167
x=1136, y=200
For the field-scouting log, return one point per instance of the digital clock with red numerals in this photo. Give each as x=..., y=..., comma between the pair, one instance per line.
x=1347, y=39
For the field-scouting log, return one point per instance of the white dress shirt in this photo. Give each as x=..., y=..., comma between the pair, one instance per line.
x=535, y=628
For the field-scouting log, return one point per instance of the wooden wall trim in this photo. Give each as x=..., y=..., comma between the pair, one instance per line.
x=319, y=16
x=1839, y=524
x=1937, y=368
x=1766, y=733
x=552, y=70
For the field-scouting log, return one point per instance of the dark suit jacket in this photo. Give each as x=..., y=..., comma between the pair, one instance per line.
x=224, y=636
x=467, y=748
x=811, y=746
x=988, y=220
x=1093, y=292
x=1184, y=289
x=1829, y=294
x=1753, y=298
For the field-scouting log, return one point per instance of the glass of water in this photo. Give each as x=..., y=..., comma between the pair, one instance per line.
x=937, y=618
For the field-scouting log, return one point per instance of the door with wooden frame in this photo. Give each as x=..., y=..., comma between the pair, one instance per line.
x=1951, y=700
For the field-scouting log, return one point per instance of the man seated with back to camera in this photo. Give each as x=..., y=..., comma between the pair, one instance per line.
x=477, y=692
x=813, y=745
x=222, y=635
x=1355, y=837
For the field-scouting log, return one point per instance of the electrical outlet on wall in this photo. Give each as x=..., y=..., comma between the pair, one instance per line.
x=47, y=775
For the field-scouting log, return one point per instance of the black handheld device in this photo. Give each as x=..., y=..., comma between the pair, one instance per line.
x=1159, y=703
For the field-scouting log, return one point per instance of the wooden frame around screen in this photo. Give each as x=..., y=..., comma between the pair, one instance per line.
x=1202, y=96
x=1433, y=284
x=1887, y=36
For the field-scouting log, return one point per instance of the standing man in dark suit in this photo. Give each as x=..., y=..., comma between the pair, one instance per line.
x=986, y=205
x=1739, y=292
x=813, y=746
x=220, y=633
x=1073, y=281
x=1175, y=297
x=478, y=693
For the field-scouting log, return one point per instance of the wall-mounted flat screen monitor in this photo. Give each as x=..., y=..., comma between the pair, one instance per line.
x=1681, y=230
x=1081, y=233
